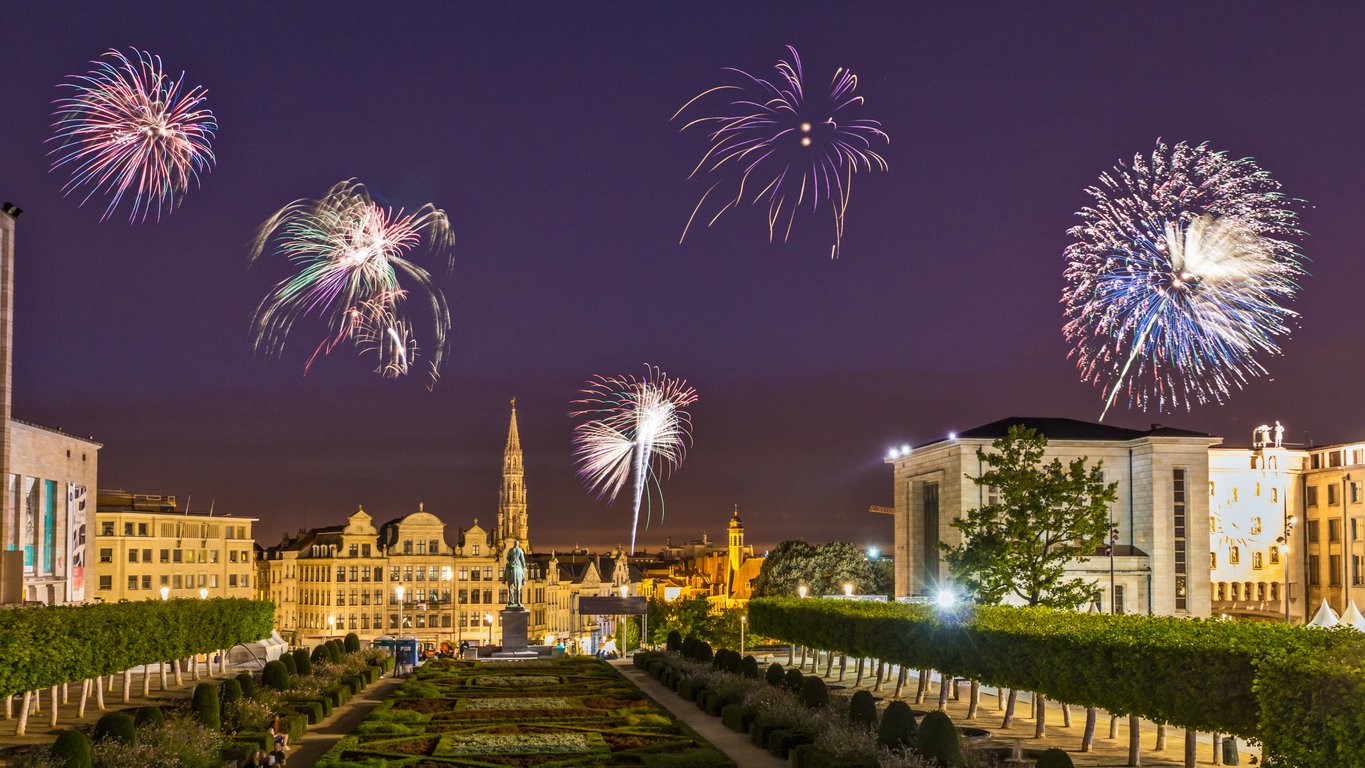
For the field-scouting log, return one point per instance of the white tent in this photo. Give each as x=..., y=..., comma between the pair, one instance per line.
x=1326, y=618
x=1353, y=618
x=258, y=653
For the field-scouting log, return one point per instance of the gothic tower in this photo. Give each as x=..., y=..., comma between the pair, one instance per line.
x=736, y=546
x=512, y=499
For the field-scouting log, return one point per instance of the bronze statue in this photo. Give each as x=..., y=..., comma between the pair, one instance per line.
x=514, y=574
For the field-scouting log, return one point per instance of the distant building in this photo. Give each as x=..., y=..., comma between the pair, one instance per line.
x=146, y=548
x=723, y=574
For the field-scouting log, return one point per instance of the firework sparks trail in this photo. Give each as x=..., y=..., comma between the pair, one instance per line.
x=637, y=428
x=351, y=254
x=1177, y=276
x=790, y=146
x=129, y=129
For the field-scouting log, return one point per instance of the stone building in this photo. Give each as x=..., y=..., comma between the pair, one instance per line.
x=724, y=574
x=1161, y=512
x=146, y=548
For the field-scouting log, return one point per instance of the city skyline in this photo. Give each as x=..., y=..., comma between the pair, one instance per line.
x=545, y=134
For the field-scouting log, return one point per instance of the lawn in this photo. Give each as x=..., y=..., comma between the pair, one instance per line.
x=549, y=714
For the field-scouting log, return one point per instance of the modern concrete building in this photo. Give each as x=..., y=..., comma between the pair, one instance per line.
x=146, y=548
x=1161, y=513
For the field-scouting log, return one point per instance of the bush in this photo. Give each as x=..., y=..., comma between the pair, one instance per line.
x=352, y=643
x=275, y=675
x=334, y=652
x=248, y=684
x=749, y=667
x=792, y=682
x=939, y=741
x=290, y=663
x=320, y=655
x=72, y=749
x=148, y=716
x=205, y=706
x=1054, y=758
x=302, y=663
x=704, y=651
x=675, y=641
x=230, y=692
x=862, y=709
x=775, y=674
x=813, y=692
x=898, y=729
x=114, y=725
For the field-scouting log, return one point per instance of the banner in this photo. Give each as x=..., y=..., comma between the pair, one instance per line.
x=75, y=515
x=30, y=530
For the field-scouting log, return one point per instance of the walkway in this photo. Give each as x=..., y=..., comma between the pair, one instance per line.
x=325, y=734
x=735, y=745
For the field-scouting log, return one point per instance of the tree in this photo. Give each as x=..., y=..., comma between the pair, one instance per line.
x=823, y=570
x=1047, y=516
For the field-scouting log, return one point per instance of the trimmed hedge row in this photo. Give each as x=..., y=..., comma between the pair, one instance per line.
x=1297, y=691
x=45, y=646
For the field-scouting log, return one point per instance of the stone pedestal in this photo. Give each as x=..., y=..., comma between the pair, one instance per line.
x=514, y=625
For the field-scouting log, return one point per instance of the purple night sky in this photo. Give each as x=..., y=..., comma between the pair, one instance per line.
x=544, y=131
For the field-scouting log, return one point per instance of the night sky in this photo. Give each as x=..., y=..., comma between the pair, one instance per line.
x=543, y=130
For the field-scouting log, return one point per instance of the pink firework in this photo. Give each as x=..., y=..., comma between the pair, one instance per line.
x=130, y=130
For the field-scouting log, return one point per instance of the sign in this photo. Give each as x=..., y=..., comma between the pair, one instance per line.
x=631, y=606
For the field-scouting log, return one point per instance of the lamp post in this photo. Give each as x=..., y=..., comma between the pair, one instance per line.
x=1345, y=543
x=331, y=625
x=488, y=618
x=1109, y=548
x=203, y=593
x=1283, y=543
x=848, y=590
x=398, y=590
x=743, y=620
x=165, y=592
x=801, y=591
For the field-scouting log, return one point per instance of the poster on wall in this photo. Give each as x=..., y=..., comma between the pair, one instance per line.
x=75, y=515
x=49, y=528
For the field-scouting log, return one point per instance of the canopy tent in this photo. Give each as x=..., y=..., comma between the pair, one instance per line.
x=1353, y=618
x=259, y=652
x=1326, y=618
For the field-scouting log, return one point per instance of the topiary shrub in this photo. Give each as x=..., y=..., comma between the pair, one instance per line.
x=302, y=664
x=704, y=652
x=334, y=651
x=898, y=729
x=1054, y=758
x=205, y=706
x=230, y=692
x=938, y=740
x=72, y=750
x=319, y=655
x=114, y=725
x=148, y=716
x=749, y=667
x=775, y=674
x=675, y=641
x=862, y=709
x=352, y=643
x=275, y=675
x=814, y=694
x=248, y=684
x=792, y=682
x=290, y=664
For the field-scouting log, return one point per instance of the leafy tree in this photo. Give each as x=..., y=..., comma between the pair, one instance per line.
x=689, y=616
x=823, y=570
x=1048, y=516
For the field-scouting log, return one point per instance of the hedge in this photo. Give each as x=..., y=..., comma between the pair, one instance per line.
x=43, y=646
x=1299, y=692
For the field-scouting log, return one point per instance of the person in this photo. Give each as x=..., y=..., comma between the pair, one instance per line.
x=281, y=738
x=464, y=648
x=257, y=759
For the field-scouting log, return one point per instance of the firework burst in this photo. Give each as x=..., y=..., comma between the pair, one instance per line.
x=775, y=143
x=1177, y=276
x=352, y=255
x=636, y=429
x=129, y=129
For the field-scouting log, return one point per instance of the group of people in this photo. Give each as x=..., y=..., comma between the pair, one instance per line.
x=263, y=759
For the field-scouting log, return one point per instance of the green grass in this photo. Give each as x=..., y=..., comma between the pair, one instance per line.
x=577, y=712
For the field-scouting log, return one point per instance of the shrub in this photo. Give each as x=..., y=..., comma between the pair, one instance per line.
x=775, y=674
x=290, y=664
x=749, y=667
x=352, y=644
x=248, y=684
x=114, y=725
x=675, y=641
x=320, y=655
x=302, y=663
x=813, y=692
x=898, y=729
x=862, y=709
x=230, y=692
x=73, y=749
x=704, y=652
x=205, y=706
x=939, y=741
x=334, y=652
x=148, y=716
x=275, y=675
x=793, y=681
x=1054, y=758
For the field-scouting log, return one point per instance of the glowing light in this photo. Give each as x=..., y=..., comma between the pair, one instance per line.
x=952, y=435
x=873, y=552
x=351, y=254
x=848, y=590
x=203, y=593
x=637, y=428
x=801, y=591
x=905, y=450
x=131, y=130
x=165, y=592
x=1177, y=276
x=399, y=590
x=750, y=150
x=625, y=590
x=1284, y=549
x=945, y=598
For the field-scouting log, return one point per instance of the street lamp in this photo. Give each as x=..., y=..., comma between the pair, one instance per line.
x=203, y=593
x=165, y=592
x=331, y=625
x=488, y=617
x=873, y=553
x=1283, y=543
x=743, y=620
x=848, y=590
x=801, y=591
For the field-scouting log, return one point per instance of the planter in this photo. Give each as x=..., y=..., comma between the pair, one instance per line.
x=736, y=717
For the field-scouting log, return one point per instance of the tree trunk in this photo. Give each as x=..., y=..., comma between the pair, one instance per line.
x=900, y=682
x=943, y=683
x=1040, y=723
x=177, y=664
x=1113, y=726
x=1066, y=715
x=194, y=667
x=1134, y=740
x=829, y=663
x=858, y=679
x=99, y=692
x=146, y=680
x=161, y=669
x=803, y=658
x=9, y=707
x=1088, y=738
x=127, y=684
x=955, y=688
x=999, y=699
x=1160, y=737
x=53, y=714
x=1217, y=758
x=1191, y=748
x=877, y=686
x=111, y=683
x=974, y=700
x=923, y=689
x=843, y=665
x=85, y=693
x=22, y=726
x=66, y=693
x=1009, y=709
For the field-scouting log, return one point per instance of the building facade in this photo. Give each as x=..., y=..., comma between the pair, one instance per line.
x=145, y=548
x=1162, y=516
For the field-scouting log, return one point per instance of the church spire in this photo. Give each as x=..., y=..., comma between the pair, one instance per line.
x=512, y=522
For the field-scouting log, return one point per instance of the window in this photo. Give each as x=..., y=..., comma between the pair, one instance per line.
x=1255, y=525
x=1334, y=458
x=213, y=555
x=1334, y=570
x=1331, y=494
x=353, y=572
x=146, y=581
x=1355, y=493
x=1333, y=529
x=127, y=529
x=364, y=550
x=177, y=556
x=407, y=573
x=132, y=582
x=1313, y=532
x=432, y=571
x=165, y=555
x=476, y=549
x=434, y=546
x=1178, y=513
x=1355, y=528
x=341, y=573
x=142, y=529
x=421, y=573
x=1311, y=496
x=1357, y=578
x=353, y=550
x=1118, y=598
x=1275, y=495
x=488, y=596
x=473, y=573
x=1256, y=562
x=421, y=547
x=394, y=573
x=464, y=573
x=177, y=582
x=473, y=596
x=213, y=581
x=1314, y=566
x=132, y=555
x=1316, y=461
x=407, y=546
x=106, y=529
x=106, y=583
x=1234, y=555
x=106, y=555
x=232, y=579
x=488, y=573
x=1275, y=555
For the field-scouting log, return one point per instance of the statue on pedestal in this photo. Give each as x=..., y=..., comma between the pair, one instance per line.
x=514, y=574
